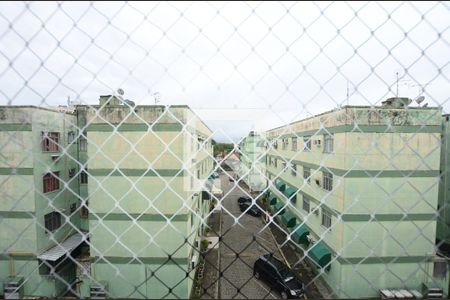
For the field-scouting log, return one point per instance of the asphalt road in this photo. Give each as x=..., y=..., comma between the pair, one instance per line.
x=244, y=240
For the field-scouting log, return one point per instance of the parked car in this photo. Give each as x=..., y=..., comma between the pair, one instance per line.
x=244, y=199
x=253, y=210
x=277, y=275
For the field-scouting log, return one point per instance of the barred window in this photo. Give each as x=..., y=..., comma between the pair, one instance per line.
x=49, y=141
x=307, y=174
x=328, y=141
x=326, y=219
x=294, y=144
x=306, y=204
x=293, y=169
x=52, y=221
x=51, y=182
x=306, y=143
x=327, y=181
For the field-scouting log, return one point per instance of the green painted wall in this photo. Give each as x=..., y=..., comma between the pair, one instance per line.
x=385, y=165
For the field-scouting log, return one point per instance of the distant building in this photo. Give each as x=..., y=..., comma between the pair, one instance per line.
x=134, y=199
x=252, y=157
x=357, y=190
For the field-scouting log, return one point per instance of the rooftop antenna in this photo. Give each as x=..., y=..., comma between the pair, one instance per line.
x=157, y=97
x=396, y=73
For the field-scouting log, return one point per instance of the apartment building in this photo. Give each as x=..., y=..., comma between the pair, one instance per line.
x=39, y=207
x=146, y=167
x=252, y=162
x=357, y=190
x=120, y=187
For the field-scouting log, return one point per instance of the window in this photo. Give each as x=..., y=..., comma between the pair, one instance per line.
x=293, y=169
x=275, y=163
x=72, y=173
x=275, y=144
x=83, y=177
x=306, y=205
x=70, y=137
x=440, y=269
x=285, y=142
x=284, y=166
x=198, y=174
x=84, y=212
x=73, y=207
x=50, y=182
x=327, y=181
x=52, y=221
x=328, y=143
x=307, y=174
x=83, y=142
x=50, y=141
x=306, y=143
x=326, y=219
x=294, y=144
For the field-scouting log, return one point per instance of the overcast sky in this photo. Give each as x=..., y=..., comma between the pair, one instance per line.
x=240, y=65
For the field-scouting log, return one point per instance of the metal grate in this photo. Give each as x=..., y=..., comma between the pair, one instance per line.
x=224, y=149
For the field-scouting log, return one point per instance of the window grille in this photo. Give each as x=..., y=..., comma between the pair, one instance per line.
x=50, y=141
x=328, y=143
x=327, y=181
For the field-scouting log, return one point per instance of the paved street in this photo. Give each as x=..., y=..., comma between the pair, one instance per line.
x=243, y=241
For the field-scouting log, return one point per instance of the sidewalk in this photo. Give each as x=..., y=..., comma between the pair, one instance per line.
x=210, y=283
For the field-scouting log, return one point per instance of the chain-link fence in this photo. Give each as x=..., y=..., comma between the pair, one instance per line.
x=269, y=149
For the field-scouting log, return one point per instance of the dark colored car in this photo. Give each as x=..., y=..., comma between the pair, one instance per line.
x=244, y=199
x=253, y=210
x=277, y=275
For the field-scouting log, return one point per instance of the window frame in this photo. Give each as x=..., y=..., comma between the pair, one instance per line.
x=306, y=203
x=84, y=177
x=327, y=181
x=307, y=178
x=294, y=169
x=294, y=143
x=50, y=182
x=52, y=221
x=307, y=143
x=50, y=141
x=326, y=219
x=82, y=146
x=328, y=143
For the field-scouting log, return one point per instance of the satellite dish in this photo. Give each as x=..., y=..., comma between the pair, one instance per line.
x=120, y=92
x=425, y=105
x=419, y=99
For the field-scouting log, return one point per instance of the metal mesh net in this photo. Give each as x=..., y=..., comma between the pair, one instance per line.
x=269, y=149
